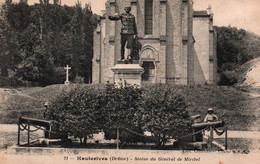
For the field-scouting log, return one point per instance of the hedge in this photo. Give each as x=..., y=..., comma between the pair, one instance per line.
x=84, y=111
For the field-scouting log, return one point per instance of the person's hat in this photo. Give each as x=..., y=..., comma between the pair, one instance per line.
x=210, y=109
x=46, y=103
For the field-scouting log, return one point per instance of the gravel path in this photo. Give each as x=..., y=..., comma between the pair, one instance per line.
x=8, y=135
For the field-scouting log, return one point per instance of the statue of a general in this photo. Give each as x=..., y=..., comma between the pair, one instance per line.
x=128, y=32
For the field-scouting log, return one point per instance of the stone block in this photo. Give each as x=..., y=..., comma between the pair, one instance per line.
x=127, y=74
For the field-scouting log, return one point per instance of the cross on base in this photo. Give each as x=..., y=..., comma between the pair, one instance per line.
x=67, y=68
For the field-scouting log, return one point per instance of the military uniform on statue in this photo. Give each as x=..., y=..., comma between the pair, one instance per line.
x=128, y=33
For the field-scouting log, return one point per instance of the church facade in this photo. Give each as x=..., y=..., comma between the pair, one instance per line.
x=165, y=29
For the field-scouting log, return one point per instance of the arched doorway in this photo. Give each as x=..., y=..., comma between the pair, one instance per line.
x=149, y=71
x=148, y=62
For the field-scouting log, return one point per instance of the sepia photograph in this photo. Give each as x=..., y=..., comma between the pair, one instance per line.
x=129, y=81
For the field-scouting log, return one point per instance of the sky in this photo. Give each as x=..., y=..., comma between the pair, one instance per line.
x=237, y=13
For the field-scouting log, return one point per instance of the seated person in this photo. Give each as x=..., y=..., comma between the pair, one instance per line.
x=210, y=117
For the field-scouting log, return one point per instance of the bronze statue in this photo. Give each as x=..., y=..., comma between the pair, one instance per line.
x=128, y=33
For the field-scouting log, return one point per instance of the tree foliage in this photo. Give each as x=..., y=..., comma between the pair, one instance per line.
x=9, y=48
x=234, y=48
x=40, y=39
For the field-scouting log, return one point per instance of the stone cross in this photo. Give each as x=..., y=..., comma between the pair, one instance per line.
x=67, y=68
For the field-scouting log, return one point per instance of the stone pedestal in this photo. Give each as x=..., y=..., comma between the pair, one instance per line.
x=127, y=74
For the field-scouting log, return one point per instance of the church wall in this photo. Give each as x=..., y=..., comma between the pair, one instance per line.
x=173, y=44
x=110, y=51
x=179, y=42
x=96, y=55
x=103, y=47
x=155, y=41
x=205, y=47
x=215, y=62
x=191, y=74
x=211, y=53
x=162, y=67
x=202, y=47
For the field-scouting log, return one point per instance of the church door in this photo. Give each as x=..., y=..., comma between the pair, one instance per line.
x=149, y=69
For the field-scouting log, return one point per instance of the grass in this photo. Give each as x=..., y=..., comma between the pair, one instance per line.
x=27, y=102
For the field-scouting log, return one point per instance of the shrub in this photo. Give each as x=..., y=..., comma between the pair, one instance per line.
x=77, y=112
x=10, y=82
x=164, y=112
x=228, y=78
x=78, y=80
x=123, y=106
x=159, y=109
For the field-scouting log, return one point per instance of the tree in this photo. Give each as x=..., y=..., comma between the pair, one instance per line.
x=40, y=44
x=235, y=47
x=9, y=49
x=18, y=16
x=81, y=31
x=39, y=67
x=90, y=24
